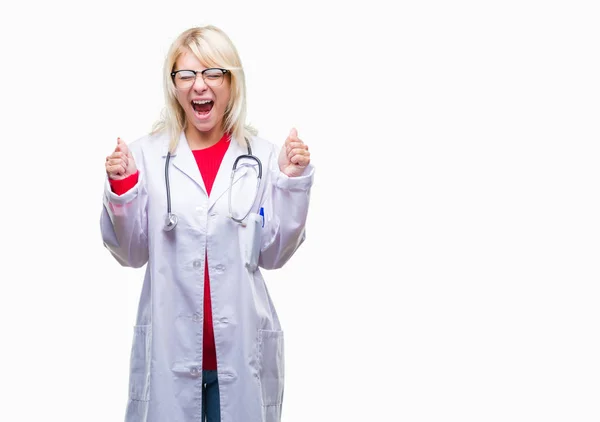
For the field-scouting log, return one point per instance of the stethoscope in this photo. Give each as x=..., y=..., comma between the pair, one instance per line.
x=172, y=219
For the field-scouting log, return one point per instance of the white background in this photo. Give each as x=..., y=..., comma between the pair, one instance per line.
x=451, y=267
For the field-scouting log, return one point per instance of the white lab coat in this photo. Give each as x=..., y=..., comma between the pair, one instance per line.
x=166, y=357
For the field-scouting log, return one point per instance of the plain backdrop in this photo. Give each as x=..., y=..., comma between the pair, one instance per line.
x=450, y=271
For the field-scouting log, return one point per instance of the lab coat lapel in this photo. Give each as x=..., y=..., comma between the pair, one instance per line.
x=222, y=181
x=184, y=160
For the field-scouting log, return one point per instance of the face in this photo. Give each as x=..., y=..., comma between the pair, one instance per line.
x=204, y=105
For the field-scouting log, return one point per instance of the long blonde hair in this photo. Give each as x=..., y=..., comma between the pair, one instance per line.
x=214, y=49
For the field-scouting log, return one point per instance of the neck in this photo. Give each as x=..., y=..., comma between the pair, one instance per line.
x=202, y=140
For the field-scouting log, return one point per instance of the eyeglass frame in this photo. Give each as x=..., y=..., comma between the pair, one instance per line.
x=195, y=72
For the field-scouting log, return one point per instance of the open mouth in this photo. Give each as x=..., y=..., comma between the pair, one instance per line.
x=202, y=107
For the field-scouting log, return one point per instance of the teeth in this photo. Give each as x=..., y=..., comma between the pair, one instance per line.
x=201, y=101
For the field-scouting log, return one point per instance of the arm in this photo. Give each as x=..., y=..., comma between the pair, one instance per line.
x=285, y=202
x=124, y=221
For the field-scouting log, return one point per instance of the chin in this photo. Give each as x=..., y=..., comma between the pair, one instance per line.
x=204, y=126
x=201, y=125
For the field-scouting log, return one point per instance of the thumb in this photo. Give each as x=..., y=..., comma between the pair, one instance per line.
x=292, y=136
x=122, y=146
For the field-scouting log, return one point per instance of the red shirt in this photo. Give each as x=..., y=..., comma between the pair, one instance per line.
x=208, y=160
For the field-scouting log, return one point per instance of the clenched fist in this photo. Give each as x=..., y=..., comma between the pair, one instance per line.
x=120, y=164
x=294, y=156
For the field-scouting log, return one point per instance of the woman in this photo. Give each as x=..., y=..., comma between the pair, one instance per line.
x=207, y=344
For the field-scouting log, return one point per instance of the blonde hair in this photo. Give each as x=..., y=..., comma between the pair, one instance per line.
x=214, y=49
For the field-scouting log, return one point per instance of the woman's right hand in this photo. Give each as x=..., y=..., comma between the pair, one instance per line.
x=120, y=164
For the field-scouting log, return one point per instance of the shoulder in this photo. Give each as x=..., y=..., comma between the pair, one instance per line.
x=263, y=147
x=149, y=142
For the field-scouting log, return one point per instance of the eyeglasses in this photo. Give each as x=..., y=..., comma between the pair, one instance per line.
x=213, y=77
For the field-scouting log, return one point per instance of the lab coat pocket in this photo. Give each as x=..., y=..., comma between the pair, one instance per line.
x=250, y=236
x=271, y=366
x=139, y=367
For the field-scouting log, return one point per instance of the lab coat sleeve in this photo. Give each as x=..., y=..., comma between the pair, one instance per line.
x=124, y=220
x=285, y=202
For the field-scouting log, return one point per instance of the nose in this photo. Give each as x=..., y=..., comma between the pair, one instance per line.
x=199, y=84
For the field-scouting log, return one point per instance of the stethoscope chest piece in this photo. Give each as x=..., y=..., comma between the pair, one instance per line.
x=170, y=222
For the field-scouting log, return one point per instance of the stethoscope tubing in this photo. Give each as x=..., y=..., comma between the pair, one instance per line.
x=172, y=219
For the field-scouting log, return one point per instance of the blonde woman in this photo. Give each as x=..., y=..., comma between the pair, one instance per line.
x=204, y=203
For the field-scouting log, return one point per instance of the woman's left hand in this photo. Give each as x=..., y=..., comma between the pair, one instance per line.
x=294, y=156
